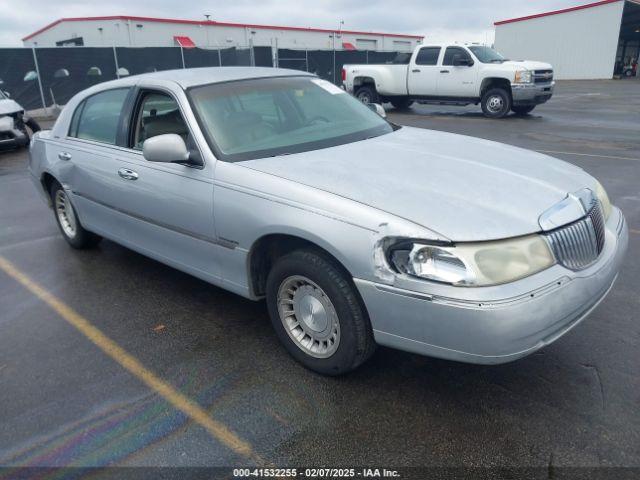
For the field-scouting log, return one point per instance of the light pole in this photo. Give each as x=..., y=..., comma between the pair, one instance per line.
x=206, y=27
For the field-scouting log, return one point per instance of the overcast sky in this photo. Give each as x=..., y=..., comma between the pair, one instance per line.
x=462, y=20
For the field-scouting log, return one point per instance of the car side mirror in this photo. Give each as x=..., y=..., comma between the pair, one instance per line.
x=460, y=61
x=168, y=148
x=377, y=108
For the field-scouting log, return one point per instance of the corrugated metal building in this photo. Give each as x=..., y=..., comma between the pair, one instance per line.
x=126, y=31
x=585, y=42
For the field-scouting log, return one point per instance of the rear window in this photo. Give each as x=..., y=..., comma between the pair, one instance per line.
x=98, y=117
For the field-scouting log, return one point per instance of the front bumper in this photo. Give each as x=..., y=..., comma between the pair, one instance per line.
x=531, y=94
x=11, y=137
x=477, y=325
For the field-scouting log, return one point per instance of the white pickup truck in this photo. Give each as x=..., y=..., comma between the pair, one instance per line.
x=454, y=75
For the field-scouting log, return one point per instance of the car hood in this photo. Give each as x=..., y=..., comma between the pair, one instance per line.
x=528, y=64
x=8, y=106
x=463, y=188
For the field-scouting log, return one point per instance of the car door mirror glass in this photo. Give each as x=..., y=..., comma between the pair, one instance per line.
x=167, y=148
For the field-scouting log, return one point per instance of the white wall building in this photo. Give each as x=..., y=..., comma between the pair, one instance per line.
x=585, y=42
x=162, y=32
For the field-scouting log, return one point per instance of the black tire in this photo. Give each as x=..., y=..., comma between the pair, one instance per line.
x=367, y=94
x=496, y=103
x=82, y=238
x=523, y=110
x=401, y=103
x=33, y=125
x=356, y=343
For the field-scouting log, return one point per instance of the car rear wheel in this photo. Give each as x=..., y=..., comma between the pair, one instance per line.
x=496, y=103
x=317, y=313
x=523, y=110
x=72, y=231
x=367, y=94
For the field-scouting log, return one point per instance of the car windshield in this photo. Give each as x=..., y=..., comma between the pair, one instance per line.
x=267, y=117
x=487, y=55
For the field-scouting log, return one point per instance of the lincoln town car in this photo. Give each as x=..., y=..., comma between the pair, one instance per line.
x=275, y=184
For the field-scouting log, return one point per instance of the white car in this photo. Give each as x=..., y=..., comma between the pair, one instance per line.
x=457, y=75
x=13, y=123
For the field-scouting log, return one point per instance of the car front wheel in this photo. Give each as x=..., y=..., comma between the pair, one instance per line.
x=496, y=103
x=317, y=313
x=67, y=219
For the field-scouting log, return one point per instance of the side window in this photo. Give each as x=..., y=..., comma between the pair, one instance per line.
x=97, y=118
x=428, y=56
x=452, y=52
x=158, y=114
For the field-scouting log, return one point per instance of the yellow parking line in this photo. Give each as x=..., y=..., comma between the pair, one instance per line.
x=187, y=406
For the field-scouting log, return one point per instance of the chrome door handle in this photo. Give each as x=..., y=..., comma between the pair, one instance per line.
x=64, y=156
x=128, y=174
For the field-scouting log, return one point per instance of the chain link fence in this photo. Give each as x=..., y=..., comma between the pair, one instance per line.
x=43, y=77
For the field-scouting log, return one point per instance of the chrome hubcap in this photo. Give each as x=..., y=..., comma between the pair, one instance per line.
x=65, y=214
x=308, y=317
x=495, y=103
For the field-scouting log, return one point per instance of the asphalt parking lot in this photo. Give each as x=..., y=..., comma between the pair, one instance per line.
x=63, y=401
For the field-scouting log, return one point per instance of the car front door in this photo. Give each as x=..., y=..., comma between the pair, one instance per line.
x=457, y=80
x=164, y=210
x=424, y=72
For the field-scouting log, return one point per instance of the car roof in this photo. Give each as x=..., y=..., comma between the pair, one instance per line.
x=191, y=77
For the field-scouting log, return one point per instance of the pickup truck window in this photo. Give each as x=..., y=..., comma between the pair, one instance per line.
x=428, y=56
x=268, y=117
x=487, y=55
x=451, y=52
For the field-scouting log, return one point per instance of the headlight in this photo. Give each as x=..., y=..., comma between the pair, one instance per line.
x=473, y=264
x=523, y=76
x=601, y=193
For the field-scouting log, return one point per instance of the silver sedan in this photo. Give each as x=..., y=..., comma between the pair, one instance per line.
x=276, y=184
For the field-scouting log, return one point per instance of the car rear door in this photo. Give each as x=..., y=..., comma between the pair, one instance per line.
x=423, y=72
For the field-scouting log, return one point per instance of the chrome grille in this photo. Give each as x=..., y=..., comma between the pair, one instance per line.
x=578, y=245
x=543, y=76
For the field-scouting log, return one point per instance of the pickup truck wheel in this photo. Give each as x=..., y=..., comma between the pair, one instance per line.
x=367, y=95
x=70, y=227
x=401, y=103
x=523, y=110
x=496, y=103
x=318, y=314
